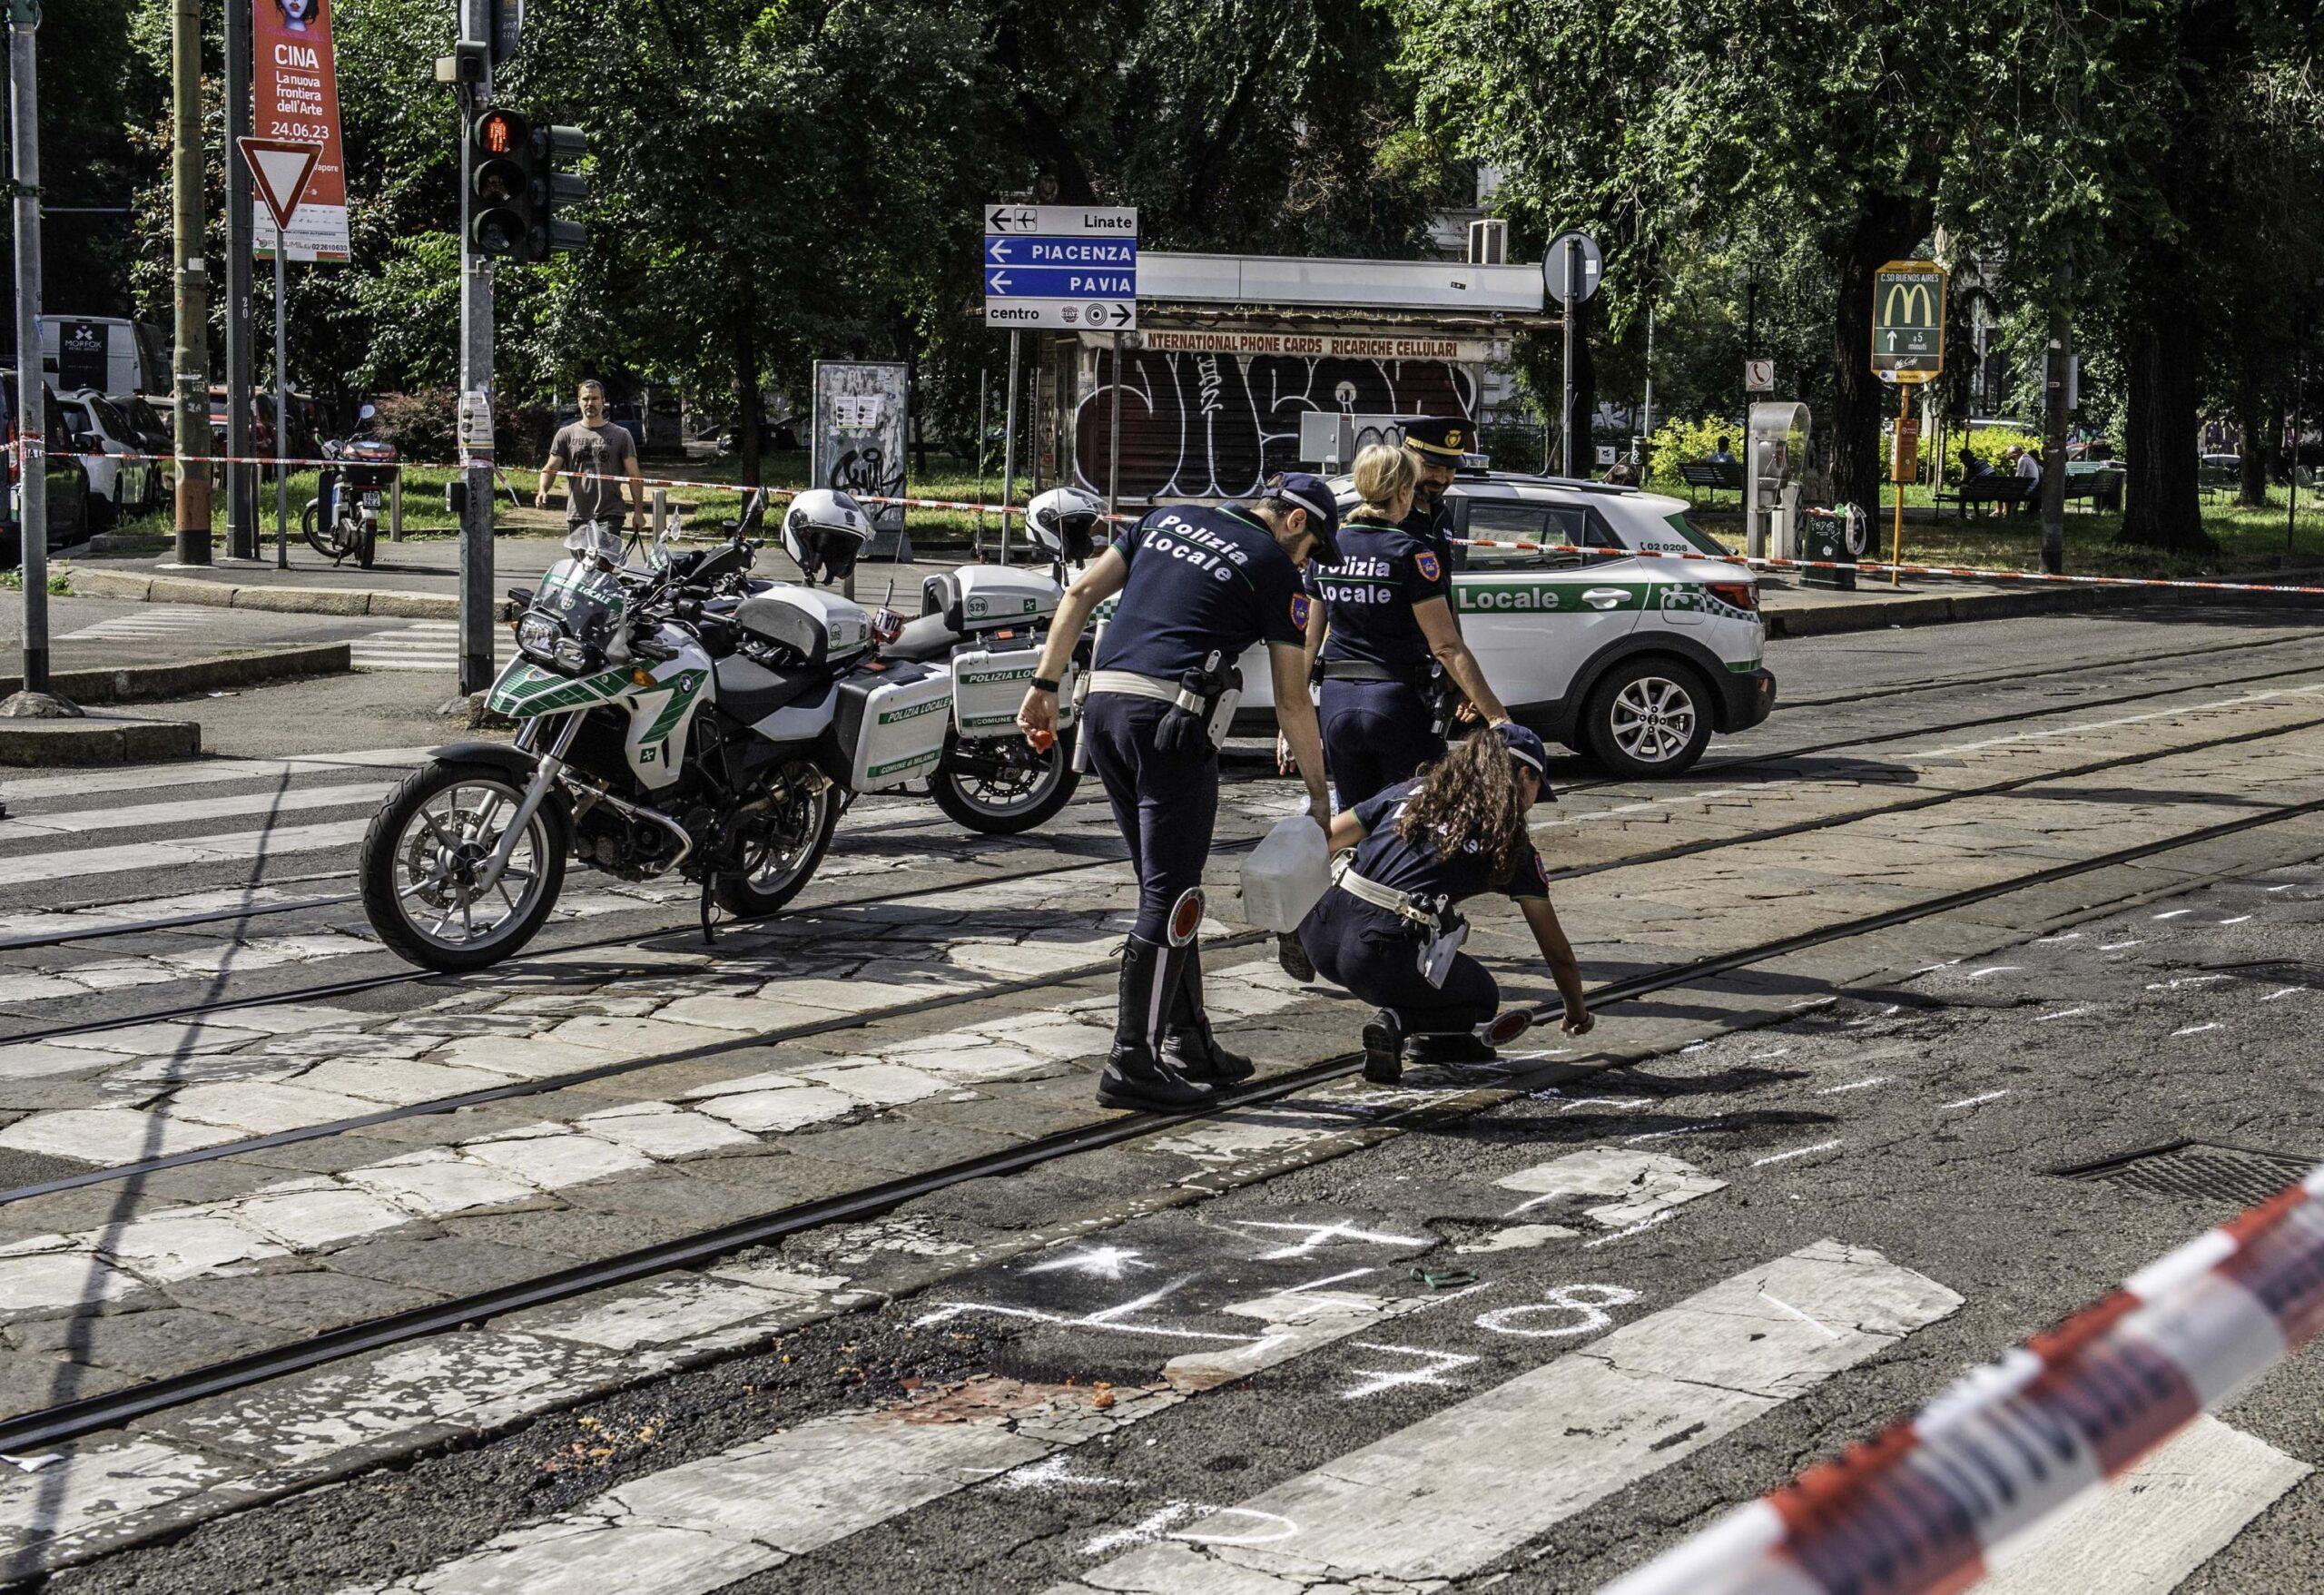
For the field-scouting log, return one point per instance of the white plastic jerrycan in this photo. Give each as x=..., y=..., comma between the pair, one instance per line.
x=1286, y=873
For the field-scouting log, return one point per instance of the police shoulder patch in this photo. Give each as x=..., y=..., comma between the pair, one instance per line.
x=1299, y=611
x=1426, y=564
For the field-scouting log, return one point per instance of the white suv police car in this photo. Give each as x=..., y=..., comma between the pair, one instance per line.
x=1633, y=661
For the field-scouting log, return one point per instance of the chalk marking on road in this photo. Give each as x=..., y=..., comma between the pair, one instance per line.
x=2065, y=936
x=1863, y=1085
x=2173, y=985
x=1103, y=1262
x=2064, y=1013
x=1794, y=1152
x=2118, y=946
x=1459, y=1490
x=1626, y=1185
x=2197, y=1029
x=2285, y=991
x=2174, y=913
x=1323, y=1235
x=1377, y=1380
x=2237, y=921
x=1973, y=1101
x=1590, y=1312
x=1995, y=970
x=1642, y=1226
x=1825, y=1330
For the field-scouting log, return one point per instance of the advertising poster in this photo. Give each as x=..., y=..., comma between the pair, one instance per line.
x=858, y=442
x=294, y=95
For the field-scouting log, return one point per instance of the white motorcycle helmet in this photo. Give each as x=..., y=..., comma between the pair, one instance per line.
x=824, y=532
x=1065, y=521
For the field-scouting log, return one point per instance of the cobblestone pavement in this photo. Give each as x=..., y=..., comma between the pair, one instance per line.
x=1518, y=1324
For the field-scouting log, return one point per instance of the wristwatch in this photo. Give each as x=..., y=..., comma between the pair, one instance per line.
x=1041, y=684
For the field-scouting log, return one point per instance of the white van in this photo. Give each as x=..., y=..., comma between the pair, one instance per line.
x=109, y=353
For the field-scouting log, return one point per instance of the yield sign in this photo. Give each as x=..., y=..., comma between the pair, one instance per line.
x=281, y=167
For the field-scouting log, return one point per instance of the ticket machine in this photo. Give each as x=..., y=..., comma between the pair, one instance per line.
x=1775, y=459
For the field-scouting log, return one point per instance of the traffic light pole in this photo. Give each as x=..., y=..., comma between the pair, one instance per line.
x=241, y=481
x=476, y=386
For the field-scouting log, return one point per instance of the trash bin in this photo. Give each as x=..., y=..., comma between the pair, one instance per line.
x=1840, y=533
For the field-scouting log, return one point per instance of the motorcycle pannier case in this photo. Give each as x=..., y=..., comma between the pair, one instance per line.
x=982, y=598
x=989, y=688
x=888, y=729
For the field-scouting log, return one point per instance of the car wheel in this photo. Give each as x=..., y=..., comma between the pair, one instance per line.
x=1648, y=717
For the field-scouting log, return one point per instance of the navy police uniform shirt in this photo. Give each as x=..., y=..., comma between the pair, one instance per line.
x=1387, y=859
x=1200, y=580
x=1433, y=527
x=1370, y=593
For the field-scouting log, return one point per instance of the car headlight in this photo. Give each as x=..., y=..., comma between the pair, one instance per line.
x=572, y=655
x=539, y=634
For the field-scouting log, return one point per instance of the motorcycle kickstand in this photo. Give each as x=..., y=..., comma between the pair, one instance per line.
x=709, y=936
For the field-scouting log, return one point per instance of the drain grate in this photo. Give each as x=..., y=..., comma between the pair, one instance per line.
x=2200, y=1171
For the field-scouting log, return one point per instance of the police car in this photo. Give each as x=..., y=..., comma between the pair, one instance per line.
x=1634, y=661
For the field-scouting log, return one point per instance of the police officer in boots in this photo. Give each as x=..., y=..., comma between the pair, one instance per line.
x=1384, y=642
x=1388, y=930
x=1197, y=586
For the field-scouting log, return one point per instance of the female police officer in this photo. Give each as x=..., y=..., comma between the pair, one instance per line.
x=1197, y=587
x=1385, y=627
x=1387, y=930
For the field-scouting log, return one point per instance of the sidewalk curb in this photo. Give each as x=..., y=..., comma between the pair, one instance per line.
x=142, y=587
x=96, y=740
x=1941, y=609
x=218, y=674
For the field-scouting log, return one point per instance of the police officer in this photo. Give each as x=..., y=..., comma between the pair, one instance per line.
x=1437, y=445
x=1388, y=930
x=1385, y=631
x=1197, y=586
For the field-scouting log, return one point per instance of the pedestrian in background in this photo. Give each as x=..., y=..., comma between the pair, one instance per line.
x=596, y=454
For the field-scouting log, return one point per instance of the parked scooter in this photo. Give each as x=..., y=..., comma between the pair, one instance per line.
x=342, y=520
x=677, y=717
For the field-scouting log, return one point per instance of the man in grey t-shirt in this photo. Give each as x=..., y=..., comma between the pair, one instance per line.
x=595, y=456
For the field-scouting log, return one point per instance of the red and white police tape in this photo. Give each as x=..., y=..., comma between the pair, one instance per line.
x=1869, y=567
x=1931, y=1506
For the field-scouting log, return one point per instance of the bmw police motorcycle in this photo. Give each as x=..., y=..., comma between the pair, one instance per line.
x=983, y=625
x=672, y=717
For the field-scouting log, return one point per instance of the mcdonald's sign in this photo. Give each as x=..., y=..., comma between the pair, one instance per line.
x=1908, y=321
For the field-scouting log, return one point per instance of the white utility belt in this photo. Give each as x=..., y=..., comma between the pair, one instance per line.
x=1130, y=684
x=1439, y=942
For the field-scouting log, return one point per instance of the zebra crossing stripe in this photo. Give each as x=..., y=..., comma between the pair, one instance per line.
x=82, y=783
x=140, y=816
x=179, y=852
x=170, y=620
x=1447, y=1495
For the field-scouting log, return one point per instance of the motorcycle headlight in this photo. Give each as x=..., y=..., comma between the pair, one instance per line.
x=572, y=655
x=539, y=634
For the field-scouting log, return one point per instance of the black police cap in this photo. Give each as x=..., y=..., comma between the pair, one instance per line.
x=1443, y=436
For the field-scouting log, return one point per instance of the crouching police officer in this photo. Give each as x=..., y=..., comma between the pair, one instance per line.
x=1390, y=653
x=1387, y=931
x=1197, y=586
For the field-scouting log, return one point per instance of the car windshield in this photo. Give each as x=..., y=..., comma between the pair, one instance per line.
x=1700, y=541
x=109, y=419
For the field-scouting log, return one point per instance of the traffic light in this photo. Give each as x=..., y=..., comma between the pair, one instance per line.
x=515, y=189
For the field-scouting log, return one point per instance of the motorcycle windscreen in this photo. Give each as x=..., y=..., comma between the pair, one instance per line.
x=586, y=598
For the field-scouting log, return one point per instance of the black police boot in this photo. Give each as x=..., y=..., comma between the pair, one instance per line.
x=1136, y=1075
x=1451, y=1047
x=1293, y=957
x=1188, y=1041
x=1383, y=1048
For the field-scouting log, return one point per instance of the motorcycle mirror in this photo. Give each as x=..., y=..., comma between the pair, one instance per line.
x=887, y=625
x=365, y=412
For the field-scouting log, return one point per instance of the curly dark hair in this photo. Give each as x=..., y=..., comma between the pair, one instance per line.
x=1472, y=794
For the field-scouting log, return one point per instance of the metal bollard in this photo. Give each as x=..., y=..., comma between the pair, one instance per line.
x=395, y=508
x=661, y=510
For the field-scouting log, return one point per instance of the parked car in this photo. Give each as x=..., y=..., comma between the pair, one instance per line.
x=303, y=414
x=1635, y=662
x=68, y=483
x=101, y=431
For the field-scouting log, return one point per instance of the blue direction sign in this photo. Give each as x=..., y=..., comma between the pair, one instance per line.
x=1063, y=267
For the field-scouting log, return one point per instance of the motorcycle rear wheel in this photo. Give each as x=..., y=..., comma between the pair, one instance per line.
x=776, y=868
x=420, y=854
x=997, y=790
x=333, y=543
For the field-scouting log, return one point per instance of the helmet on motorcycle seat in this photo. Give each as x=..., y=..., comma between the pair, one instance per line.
x=1065, y=520
x=824, y=532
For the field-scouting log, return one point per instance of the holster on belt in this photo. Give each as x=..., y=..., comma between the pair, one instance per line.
x=1190, y=728
x=1443, y=695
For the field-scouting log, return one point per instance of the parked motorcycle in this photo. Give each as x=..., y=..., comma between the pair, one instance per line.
x=985, y=624
x=673, y=717
x=342, y=520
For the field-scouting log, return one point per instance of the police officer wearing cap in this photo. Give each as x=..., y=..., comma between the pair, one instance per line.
x=1437, y=444
x=1389, y=929
x=1197, y=587
x=1384, y=640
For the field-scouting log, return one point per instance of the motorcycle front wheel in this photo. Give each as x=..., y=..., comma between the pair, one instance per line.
x=781, y=855
x=420, y=861
x=1000, y=786
x=334, y=543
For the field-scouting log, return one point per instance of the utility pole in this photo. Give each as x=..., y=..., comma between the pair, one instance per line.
x=2056, y=359
x=241, y=481
x=34, y=702
x=1571, y=297
x=193, y=278
x=476, y=375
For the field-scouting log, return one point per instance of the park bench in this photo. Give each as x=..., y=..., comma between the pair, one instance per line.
x=1714, y=475
x=2098, y=481
x=2008, y=492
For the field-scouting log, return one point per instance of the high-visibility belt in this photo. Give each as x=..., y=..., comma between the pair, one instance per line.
x=1400, y=903
x=1130, y=684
